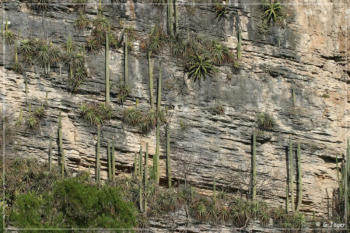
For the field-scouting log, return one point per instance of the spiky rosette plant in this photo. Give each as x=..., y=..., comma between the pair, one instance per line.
x=272, y=11
x=199, y=67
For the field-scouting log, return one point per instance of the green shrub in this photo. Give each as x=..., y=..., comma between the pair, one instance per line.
x=74, y=202
x=220, y=54
x=144, y=120
x=9, y=35
x=287, y=220
x=95, y=113
x=265, y=122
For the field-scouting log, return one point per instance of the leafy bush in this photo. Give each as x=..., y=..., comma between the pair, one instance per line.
x=74, y=202
x=144, y=120
x=95, y=113
x=265, y=122
x=27, y=175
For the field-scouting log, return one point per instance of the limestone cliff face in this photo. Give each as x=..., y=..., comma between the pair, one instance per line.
x=308, y=54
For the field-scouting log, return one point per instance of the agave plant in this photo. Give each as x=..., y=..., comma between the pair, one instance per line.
x=199, y=67
x=272, y=11
x=221, y=11
x=82, y=22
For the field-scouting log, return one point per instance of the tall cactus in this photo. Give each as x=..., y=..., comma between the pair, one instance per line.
x=126, y=71
x=170, y=20
x=156, y=156
x=300, y=191
x=60, y=144
x=97, y=172
x=107, y=100
x=141, y=203
x=214, y=189
x=113, y=160
x=291, y=175
x=109, y=160
x=346, y=173
x=50, y=153
x=145, y=177
x=253, y=167
x=239, y=44
x=150, y=78
x=176, y=21
x=168, y=166
x=140, y=172
x=135, y=166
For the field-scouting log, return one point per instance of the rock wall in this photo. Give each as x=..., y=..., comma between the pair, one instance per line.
x=309, y=54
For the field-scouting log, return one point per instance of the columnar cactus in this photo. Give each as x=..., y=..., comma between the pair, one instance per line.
x=135, y=166
x=168, y=166
x=60, y=144
x=253, y=167
x=346, y=173
x=145, y=177
x=109, y=160
x=97, y=172
x=140, y=172
x=293, y=97
x=300, y=187
x=214, y=189
x=150, y=78
x=291, y=175
x=239, y=45
x=107, y=70
x=170, y=14
x=26, y=88
x=176, y=16
x=50, y=153
x=126, y=71
x=156, y=156
x=141, y=203
x=113, y=160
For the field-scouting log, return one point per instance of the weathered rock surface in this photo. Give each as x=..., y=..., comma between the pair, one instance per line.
x=308, y=55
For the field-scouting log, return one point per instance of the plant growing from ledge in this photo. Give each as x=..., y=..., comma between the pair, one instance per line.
x=272, y=11
x=220, y=54
x=123, y=91
x=34, y=117
x=95, y=113
x=9, y=35
x=221, y=11
x=155, y=41
x=39, y=6
x=265, y=122
x=217, y=109
x=82, y=22
x=198, y=67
